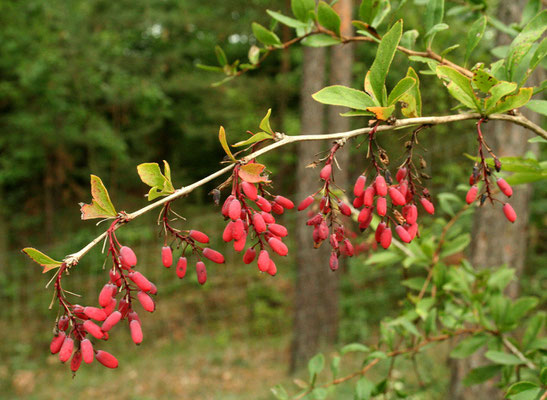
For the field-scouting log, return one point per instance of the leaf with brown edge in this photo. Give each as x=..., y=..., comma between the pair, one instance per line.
x=251, y=173
x=40, y=258
x=382, y=113
x=101, y=206
x=224, y=143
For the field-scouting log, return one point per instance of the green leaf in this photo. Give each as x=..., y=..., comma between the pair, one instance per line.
x=530, y=10
x=538, y=56
x=408, y=39
x=385, y=9
x=522, y=306
x=328, y=18
x=449, y=50
x=481, y=374
x=522, y=178
x=539, y=106
x=430, y=35
x=531, y=394
x=415, y=283
x=459, y=86
x=499, y=357
x=42, y=259
x=522, y=44
x=434, y=14
x=384, y=57
x=519, y=387
x=354, y=347
x=384, y=258
x=511, y=102
x=265, y=36
x=358, y=114
x=316, y=365
x=456, y=245
x=211, y=68
x=101, y=206
x=363, y=389
x=474, y=36
x=468, y=346
x=483, y=80
x=498, y=91
x=265, y=123
x=369, y=9
x=335, y=366
x=319, y=394
x=279, y=392
x=500, y=278
x=321, y=40
x=224, y=143
x=403, y=86
x=293, y=23
x=412, y=100
x=344, y=96
x=257, y=137
x=160, y=184
x=301, y=9
x=543, y=375
x=221, y=56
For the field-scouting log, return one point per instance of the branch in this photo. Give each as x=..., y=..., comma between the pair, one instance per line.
x=283, y=140
x=516, y=352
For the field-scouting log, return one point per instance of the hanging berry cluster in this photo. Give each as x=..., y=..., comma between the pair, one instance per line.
x=327, y=222
x=250, y=219
x=190, y=241
x=483, y=172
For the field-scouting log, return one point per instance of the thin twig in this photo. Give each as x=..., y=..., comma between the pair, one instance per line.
x=516, y=352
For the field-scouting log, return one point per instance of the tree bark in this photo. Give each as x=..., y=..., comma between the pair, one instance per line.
x=496, y=241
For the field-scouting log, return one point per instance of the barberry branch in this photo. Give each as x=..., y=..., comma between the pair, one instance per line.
x=284, y=140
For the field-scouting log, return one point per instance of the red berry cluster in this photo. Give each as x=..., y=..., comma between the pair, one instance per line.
x=188, y=240
x=250, y=219
x=482, y=171
x=327, y=223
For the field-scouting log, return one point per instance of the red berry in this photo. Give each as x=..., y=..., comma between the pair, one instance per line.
x=278, y=230
x=359, y=186
x=368, y=196
x=333, y=240
x=227, y=235
x=366, y=223
x=166, y=256
x=199, y=236
x=76, y=361
x=385, y=238
x=381, y=206
x=412, y=230
x=127, y=257
x=239, y=244
x=505, y=188
x=250, y=190
x=410, y=213
x=63, y=323
x=112, y=320
x=146, y=301
x=305, y=203
x=427, y=205
x=263, y=204
x=396, y=197
x=106, y=359
x=133, y=315
x=136, y=331
x=358, y=202
x=285, y=203
x=277, y=208
x=510, y=214
x=106, y=294
x=325, y=172
x=249, y=255
x=234, y=211
x=201, y=272
x=140, y=280
x=258, y=223
x=347, y=248
x=213, y=255
x=401, y=174
x=110, y=307
x=123, y=307
x=181, y=267
x=315, y=220
x=323, y=230
x=403, y=188
x=344, y=209
x=278, y=246
x=267, y=217
x=380, y=186
x=226, y=205
x=93, y=329
x=403, y=234
x=115, y=277
x=379, y=229
x=57, y=342
x=95, y=313
x=471, y=194
x=263, y=260
x=66, y=349
x=272, y=268
x=87, y=351
x=364, y=215
x=333, y=261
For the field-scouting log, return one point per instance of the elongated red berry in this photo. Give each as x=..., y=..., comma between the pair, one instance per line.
x=323, y=230
x=333, y=261
x=347, y=248
x=385, y=238
x=366, y=223
x=427, y=205
x=133, y=315
x=359, y=186
x=228, y=233
x=379, y=229
x=263, y=204
x=412, y=230
x=325, y=172
x=315, y=220
x=201, y=272
x=63, y=323
x=380, y=185
x=381, y=206
x=76, y=361
x=471, y=194
x=358, y=202
x=181, y=267
x=166, y=256
x=505, y=188
x=213, y=255
x=401, y=174
x=57, y=342
x=403, y=234
x=112, y=320
x=267, y=217
x=140, y=280
x=277, y=208
x=106, y=359
x=403, y=188
x=509, y=212
x=146, y=301
x=305, y=203
x=249, y=189
x=278, y=246
x=110, y=307
x=368, y=196
x=86, y=347
x=106, y=294
x=199, y=236
x=344, y=209
x=93, y=329
x=258, y=223
x=263, y=260
x=249, y=255
x=127, y=257
x=234, y=211
x=226, y=205
x=396, y=197
x=278, y=230
x=410, y=213
x=285, y=203
x=95, y=313
x=272, y=268
x=239, y=244
x=136, y=331
x=364, y=214
x=66, y=349
x=123, y=307
x=115, y=277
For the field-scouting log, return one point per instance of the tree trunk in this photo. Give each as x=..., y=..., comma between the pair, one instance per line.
x=316, y=305
x=495, y=241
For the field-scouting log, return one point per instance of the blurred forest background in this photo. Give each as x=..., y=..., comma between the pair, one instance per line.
x=97, y=87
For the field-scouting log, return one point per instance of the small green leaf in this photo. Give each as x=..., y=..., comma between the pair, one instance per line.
x=328, y=18
x=449, y=50
x=522, y=306
x=335, y=366
x=40, y=258
x=530, y=394
x=265, y=123
x=403, y=86
x=321, y=40
x=481, y=374
x=221, y=56
x=474, y=36
x=354, y=347
x=412, y=100
x=500, y=278
x=368, y=10
x=211, y=68
x=408, y=40
x=519, y=387
x=498, y=91
x=257, y=137
x=319, y=394
x=160, y=184
x=101, y=206
x=224, y=143
x=301, y=9
x=316, y=365
x=483, y=80
x=279, y=392
x=459, y=86
x=543, y=375
x=363, y=389
x=265, y=36
x=344, y=96
x=511, y=102
x=468, y=346
x=291, y=22
x=499, y=357
x=384, y=57
x=434, y=14
x=538, y=55
x=456, y=245
x=433, y=31
x=357, y=114
x=539, y=106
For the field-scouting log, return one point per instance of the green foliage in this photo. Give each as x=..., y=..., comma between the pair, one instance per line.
x=160, y=184
x=101, y=206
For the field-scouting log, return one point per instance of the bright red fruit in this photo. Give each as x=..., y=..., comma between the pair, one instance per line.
x=272, y=268
x=359, y=186
x=95, y=313
x=410, y=213
x=401, y=174
x=106, y=359
x=505, y=188
x=166, y=256
x=268, y=218
x=364, y=214
x=66, y=349
x=226, y=205
x=509, y=212
x=146, y=302
x=403, y=234
x=234, y=211
x=305, y=203
x=238, y=229
x=385, y=238
x=278, y=230
x=286, y=203
x=87, y=351
x=258, y=223
x=368, y=196
x=76, y=361
x=106, y=294
x=115, y=277
x=63, y=323
x=93, y=329
x=201, y=272
x=213, y=255
x=381, y=206
x=57, y=342
x=396, y=197
x=427, y=205
x=228, y=233
x=181, y=267
x=471, y=194
x=112, y=320
x=123, y=307
x=277, y=208
x=249, y=255
x=344, y=209
x=380, y=186
x=333, y=262
x=136, y=331
x=358, y=202
x=110, y=307
x=140, y=280
x=127, y=257
x=250, y=190
x=325, y=172
x=199, y=236
x=263, y=260
x=239, y=244
x=412, y=230
x=379, y=229
x=347, y=248
x=278, y=246
x=263, y=204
